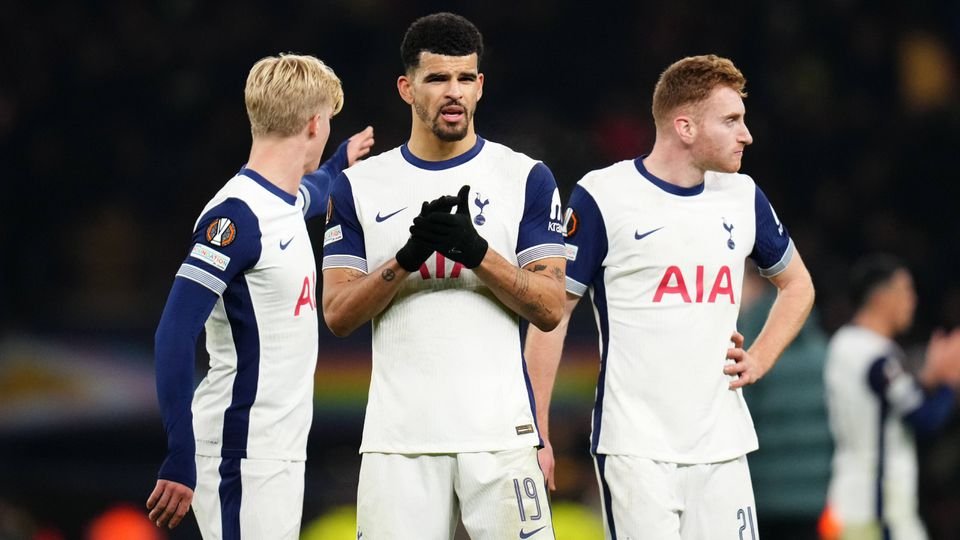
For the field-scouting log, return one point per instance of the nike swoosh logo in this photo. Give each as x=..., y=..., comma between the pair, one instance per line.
x=283, y=245
x=380, y=218
x=531, y=533
x=638, y=236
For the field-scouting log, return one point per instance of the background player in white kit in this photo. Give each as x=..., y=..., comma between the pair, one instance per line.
x=240, y=440
x=877, y=407
x=660, y=242
x=450, y=427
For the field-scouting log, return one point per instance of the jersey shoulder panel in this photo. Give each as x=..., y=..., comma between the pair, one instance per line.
x=738, y=183
x=606, y=179
x=375, y=168
x=505, y=154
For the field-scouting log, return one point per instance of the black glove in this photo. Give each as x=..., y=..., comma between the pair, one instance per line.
x=452, y=235
x=416, y=251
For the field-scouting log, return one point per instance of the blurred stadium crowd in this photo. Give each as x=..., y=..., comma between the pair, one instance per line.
x=119, y=119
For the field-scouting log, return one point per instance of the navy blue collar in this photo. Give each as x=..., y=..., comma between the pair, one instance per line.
x=445, y=164
x=268, y=185
x=663, y=184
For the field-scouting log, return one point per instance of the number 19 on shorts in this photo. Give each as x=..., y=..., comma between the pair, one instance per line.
x=526, y=491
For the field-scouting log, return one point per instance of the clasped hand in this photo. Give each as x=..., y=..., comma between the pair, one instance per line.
x=451, y=235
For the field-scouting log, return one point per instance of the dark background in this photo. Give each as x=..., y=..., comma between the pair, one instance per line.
x=118, y=121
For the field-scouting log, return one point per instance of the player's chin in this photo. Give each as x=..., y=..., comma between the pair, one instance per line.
x=451, y=132
x=733, y=165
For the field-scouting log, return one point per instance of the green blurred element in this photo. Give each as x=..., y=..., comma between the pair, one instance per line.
x=340, y=386
x=337, y=524
x=791, y=470
x=576, y=382
x=572, y=521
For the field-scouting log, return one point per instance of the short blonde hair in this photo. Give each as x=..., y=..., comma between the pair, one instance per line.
x=690, y=80
x=283, y=92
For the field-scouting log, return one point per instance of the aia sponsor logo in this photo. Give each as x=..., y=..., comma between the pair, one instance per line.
x=439, y=270
x=692, y=288
x=308, y=296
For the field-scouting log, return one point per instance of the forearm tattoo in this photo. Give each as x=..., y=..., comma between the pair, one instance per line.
x=387, y=274
x=555, y=271
x=537, y=306
x=522, y=283
x=354, y=274
x=522, y=286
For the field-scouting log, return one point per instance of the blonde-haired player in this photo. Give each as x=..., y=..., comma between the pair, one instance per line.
x=283, y=92
x=237, y=445
x=660, y=243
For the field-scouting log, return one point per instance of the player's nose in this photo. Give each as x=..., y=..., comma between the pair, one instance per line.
x=454, y=90
x=745, y=137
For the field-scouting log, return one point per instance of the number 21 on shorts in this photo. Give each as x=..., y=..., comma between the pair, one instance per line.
x=745, y=519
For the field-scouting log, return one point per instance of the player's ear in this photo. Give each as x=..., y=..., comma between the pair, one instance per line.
x=479, y=86
x=685, y=127
x=313, y=126
x=405, y=88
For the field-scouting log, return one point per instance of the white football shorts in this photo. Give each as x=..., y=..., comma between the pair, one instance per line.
x=647, y=499
x=501, y=495
x=248, y=498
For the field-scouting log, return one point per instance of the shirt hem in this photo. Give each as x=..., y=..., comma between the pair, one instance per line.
x=526, y=442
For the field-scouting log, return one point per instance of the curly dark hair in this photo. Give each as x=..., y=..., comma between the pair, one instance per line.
x=440, y=33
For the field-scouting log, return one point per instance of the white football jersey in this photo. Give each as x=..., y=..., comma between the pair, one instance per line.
x=251, y=248
x=874, y=475
x=448, y=371
x=664, y=265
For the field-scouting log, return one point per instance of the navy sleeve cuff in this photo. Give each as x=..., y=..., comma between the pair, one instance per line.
x=933, y=414
x=180, y=467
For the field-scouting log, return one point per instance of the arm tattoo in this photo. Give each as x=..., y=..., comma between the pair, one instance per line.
x=537, y=306
x=522, y=284
x=557, y=272
x=522, y=287
x=354, y=274
x=387, y=274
